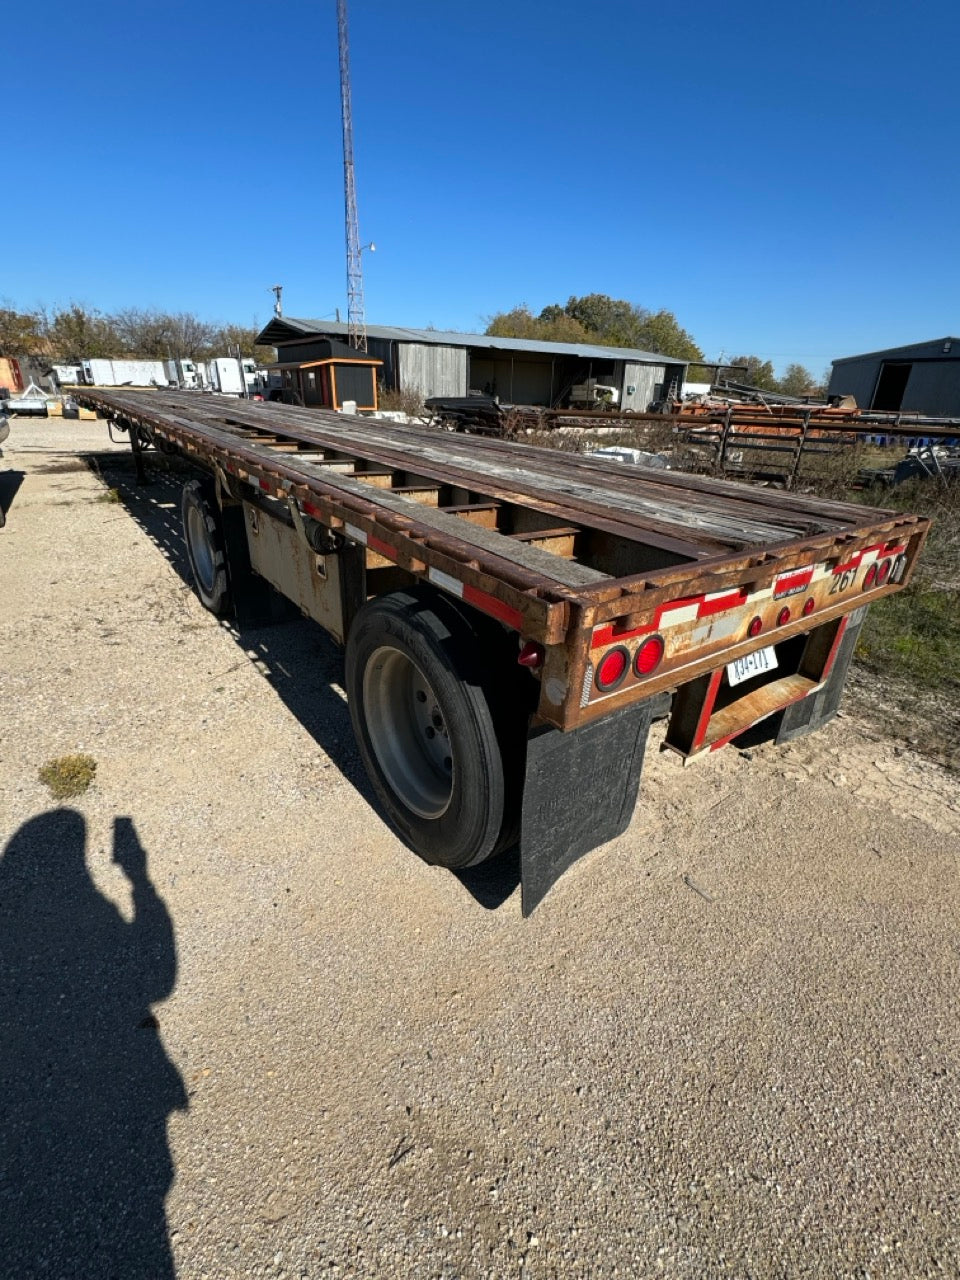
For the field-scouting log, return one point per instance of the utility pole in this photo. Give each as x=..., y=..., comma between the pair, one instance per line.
x=355, y=317
x=277, y=291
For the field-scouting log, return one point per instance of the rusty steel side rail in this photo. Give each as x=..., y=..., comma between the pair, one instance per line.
x=550, y=599
x=534, y=605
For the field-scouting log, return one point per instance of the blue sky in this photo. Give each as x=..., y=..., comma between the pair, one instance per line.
x=780, y=177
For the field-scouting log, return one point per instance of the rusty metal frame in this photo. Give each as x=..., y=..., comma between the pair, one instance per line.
x=344, y=472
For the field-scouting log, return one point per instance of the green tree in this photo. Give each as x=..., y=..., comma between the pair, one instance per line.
x=660, y=332
x=798, y=381
x=596, y=317
x=611, y=321
x=759, y=373
x=519, y=322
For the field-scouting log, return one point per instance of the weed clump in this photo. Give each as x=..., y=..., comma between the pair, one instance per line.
x=68, y=776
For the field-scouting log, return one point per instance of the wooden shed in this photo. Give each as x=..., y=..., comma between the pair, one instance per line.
x=329, y=373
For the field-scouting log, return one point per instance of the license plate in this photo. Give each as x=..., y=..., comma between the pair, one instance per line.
x=754, y=664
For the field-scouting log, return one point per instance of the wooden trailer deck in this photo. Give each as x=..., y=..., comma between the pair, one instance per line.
x=549, y=542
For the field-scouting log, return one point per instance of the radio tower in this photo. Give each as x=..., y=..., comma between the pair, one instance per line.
x=355, y=319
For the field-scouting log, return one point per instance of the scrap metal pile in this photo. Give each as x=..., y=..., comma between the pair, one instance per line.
x=766, y=437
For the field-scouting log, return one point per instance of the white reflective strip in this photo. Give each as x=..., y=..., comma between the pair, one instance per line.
x=720, y=627
x=355, y=534
x=674, y=617
x=444, y=580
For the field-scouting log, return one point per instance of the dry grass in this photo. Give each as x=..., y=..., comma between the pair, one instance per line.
x=68, y=776
x=410, y=402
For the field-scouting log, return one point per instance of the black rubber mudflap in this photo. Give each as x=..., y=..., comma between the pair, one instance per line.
x=580, y=791
x=819, y=708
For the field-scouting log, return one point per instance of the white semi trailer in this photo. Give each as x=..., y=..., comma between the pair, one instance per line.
x=123, y=373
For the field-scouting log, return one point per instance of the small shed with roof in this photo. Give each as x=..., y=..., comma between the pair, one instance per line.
x=327, y=373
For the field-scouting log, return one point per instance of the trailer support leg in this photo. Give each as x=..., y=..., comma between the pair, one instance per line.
x=137, y=447
x=580, y=791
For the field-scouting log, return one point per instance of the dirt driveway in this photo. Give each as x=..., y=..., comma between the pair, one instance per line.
x=245, y=1032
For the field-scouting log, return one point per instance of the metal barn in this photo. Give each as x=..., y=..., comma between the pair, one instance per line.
x=923, y=378
x=514, y=370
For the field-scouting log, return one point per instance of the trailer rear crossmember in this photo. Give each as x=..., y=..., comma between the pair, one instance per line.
x=619, y=589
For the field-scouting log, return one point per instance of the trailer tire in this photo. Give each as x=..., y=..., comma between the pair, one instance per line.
x=203, y=536
x=426, y=728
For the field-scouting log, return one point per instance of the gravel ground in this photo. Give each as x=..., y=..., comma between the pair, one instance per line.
x=245, y=1032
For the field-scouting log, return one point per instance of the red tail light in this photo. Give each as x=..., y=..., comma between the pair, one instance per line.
x=531, y=655
x=883, y=572
x=649, y=656
x=613, y=666
x=755, y=627
x=783, y=617
x=870, y=577
x=809, y=606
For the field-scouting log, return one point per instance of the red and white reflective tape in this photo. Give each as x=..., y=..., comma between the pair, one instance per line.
x=868, y=555
x=793, y=582
x=370, y=540
x=481, y=600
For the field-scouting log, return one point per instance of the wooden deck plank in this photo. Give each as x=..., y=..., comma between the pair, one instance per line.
x=705, y=522
x=792, y=514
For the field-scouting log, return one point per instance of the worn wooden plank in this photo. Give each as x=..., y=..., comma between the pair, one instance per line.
x=706, y=487
x=473, y=537
x=607, y=517
x=573, y=490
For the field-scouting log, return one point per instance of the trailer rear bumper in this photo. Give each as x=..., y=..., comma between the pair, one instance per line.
x=802, y=693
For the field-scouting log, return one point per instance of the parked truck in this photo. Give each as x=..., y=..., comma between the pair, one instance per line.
x=514, y=619
x=232, y=376
x=183, y=373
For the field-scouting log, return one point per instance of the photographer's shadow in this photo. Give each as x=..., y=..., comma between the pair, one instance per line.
x=86, y=1086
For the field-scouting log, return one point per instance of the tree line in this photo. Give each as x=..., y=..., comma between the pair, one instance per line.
x=75, y=332
x=614, y=322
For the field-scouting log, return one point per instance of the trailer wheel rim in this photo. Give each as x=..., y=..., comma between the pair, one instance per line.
x=201, y=549
x=408, y=732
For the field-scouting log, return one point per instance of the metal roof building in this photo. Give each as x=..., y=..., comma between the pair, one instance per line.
x=515, y=370
x=923, y=378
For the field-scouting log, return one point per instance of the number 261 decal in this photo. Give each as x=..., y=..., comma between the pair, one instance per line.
x=841, y=581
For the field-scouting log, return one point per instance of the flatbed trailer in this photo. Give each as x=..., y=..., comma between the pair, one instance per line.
x=515, y=618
